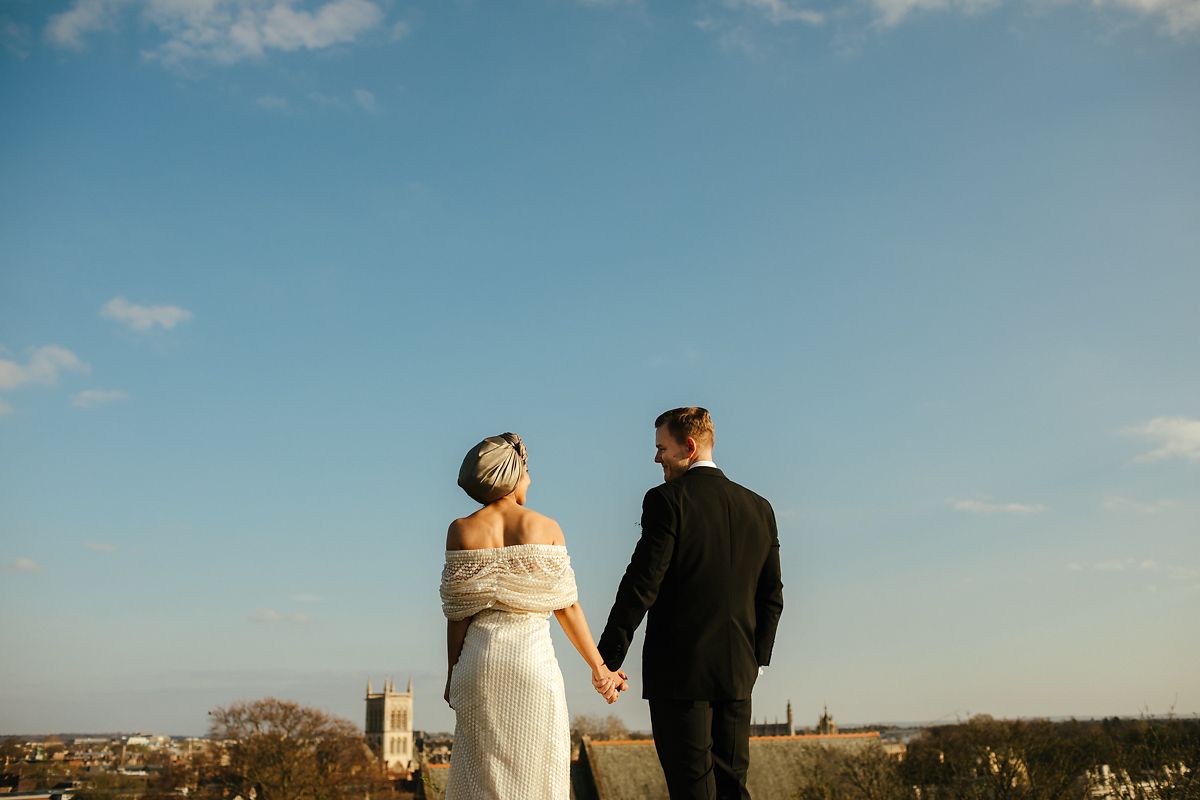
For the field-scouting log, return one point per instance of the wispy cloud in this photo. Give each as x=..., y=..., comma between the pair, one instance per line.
x=1175, y=437
x=305, y=597
x=366, y=99
x=5, y=408
x=43, y=367
x=69, y=28
x=222, y=31
x=1179, y=573
x=26, y=565
x=889, y=13
x=144, y=318
x=271, y=102
x=1177, y=17
x=100, y=547
x=401, y=30
x=986, y=506
x=90, y=398
x=271, y=616
x=1115, y=504
x=237, y=30
x=1116, y=565
x=14, y=37
x=778, y=12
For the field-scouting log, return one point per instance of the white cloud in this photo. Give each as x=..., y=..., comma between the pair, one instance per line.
x=1119, y=565
x=1176, y=437
x=1115, y=504
x=1178, y=17
x=986, y=507
x=100, y=547
x=14, y=37
x=779, y=11
x=143, y=318
x=365, y=99
x=27, y=565
x=1177, y=573
x=271, y=616
x=271, y=102
x=44, y=365
x=90, y=398
x=889, y=13
x=227, y=31
x=304, y=597
x=84, y=17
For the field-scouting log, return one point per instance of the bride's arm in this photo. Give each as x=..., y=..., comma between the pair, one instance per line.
x=456, y=634
x=574, y=624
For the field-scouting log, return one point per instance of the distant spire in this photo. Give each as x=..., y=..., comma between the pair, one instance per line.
x=368, y=684
x=410, y=684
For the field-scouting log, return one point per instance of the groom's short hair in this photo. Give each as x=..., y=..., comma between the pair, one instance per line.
x=688, y=421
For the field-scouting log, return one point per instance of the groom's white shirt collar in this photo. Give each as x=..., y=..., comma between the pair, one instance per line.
x=702, y=464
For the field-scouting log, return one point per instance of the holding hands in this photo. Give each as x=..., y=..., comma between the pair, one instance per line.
x=609, y=684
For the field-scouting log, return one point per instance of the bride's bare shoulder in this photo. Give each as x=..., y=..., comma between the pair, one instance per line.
x=537, y=528
x=466, y=533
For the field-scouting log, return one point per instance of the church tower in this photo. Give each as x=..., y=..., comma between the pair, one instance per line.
x=826, y=725
x=389, y=726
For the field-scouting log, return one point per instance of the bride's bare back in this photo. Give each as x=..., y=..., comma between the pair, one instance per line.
x=502, y=524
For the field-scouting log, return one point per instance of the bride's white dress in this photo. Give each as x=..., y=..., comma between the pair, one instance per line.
x=512, y=734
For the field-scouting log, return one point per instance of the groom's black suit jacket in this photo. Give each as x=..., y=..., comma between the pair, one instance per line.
x=707, y=570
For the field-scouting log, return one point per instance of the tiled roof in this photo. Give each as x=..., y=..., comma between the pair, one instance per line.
x=433, y=780
x=628, y=769
x=779, y=765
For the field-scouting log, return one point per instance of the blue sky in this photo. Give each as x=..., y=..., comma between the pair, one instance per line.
x=272, y=266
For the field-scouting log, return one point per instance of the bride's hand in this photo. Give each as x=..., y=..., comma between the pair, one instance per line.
x=609, y=684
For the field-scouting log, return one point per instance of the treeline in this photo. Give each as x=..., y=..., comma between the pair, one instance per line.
x=990, y=759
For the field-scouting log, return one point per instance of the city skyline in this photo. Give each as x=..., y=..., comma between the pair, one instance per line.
x=270, y=268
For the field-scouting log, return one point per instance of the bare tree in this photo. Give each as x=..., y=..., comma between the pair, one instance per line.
x=284, y=751
x=598, y=727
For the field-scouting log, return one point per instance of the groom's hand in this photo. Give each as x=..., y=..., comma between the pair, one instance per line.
x=606, y=683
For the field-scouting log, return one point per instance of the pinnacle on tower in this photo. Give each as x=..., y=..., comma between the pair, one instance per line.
x=368, y=684
x=410, y=684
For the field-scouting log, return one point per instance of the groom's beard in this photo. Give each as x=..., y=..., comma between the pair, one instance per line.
x=673, y=471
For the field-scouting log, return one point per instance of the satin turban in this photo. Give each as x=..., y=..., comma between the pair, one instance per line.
x=493, y=467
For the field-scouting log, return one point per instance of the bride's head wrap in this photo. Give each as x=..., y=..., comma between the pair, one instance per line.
x=492, y=468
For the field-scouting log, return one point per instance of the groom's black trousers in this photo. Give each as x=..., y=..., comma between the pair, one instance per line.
x=703, y=746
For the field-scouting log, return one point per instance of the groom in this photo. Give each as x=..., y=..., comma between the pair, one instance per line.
x=706, y=568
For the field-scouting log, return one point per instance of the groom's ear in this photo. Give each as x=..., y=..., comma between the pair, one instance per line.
x=691, y=446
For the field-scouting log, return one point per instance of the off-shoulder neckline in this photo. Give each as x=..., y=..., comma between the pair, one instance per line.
x=562, y=547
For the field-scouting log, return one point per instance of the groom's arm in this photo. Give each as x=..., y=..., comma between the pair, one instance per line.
x=768, y=599
x=643, y=576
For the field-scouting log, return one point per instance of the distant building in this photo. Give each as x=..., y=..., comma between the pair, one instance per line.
x=389, y=727
x=775, y=728
x=826, y=726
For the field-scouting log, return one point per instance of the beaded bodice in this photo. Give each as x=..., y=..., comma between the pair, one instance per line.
x=528, y=578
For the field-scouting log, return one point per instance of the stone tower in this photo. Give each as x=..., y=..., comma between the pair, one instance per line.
x=826, y=725
x=389, y=725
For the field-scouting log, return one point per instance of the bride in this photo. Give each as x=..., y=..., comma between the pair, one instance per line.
x=506, y=569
